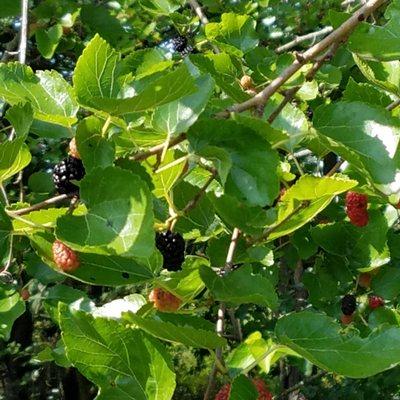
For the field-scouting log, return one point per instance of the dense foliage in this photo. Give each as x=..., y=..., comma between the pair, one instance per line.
x=190, y=210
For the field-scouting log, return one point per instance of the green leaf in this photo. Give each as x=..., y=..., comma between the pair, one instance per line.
x=363, y=134
x=365, y=92
x=11, y=307
x=101, y=22
x=387, y=282
x=385, y=75
x=364, y=247
x=5, y=234
x=378, y=42
x=241, y=286
x=15, y=156
x=305, y=199
x=254, y=347
x=119, y=220
x=180, y=331
x=234, y=30
x=125, y=363
x=317, y=338
x=103, y=270
x=47, y=40
x=164, y=180
x=165, y=7
x=94, y=149
x=176, y=117
x=9, y=8
x=221, y=67
x=290, y=120
x=21, y=118
x=243, y=389
x=247, y=179
x=99, y=73
x=200, y=217
x=48, y=93
x=169, y=87
x=185, y=284
x=237, y=214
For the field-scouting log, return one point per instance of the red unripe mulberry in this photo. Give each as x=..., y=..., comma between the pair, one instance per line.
x=65, y=257
x=375, y=302
x=357, y=208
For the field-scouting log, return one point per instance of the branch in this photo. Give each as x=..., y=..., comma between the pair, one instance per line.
x=221, y=313
x=42, y=204
x=302, y=58
x=198, y=10
x=158, y=149
x=299, y=39
x=23, y=40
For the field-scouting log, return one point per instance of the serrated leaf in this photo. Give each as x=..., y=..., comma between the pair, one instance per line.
x=365, y=92
x=180, y=331
x=385, y=75
x=185, y=284
x=119, y=220
x=169, y=87
x=379, y=42
x=48, y=93
x=14, y=156
x=241, y=286
x=94, y=149
x=247, y=179
x=21, y=118
x=317, y=338
x=234, y=30
x=365, y=135
x=164, y=180
x=364, y=247
x=106, y=351
x=47, y=40
x=177, y=116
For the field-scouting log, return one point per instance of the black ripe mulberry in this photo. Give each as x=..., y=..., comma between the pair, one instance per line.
x=69, y=169
x=349, y=304
x=180, y=44
x=172, y=246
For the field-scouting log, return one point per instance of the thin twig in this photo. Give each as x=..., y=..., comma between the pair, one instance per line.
x=43, y=204
x=299, y=385
x=203, y=18
x=23, y=40
x=393, y=105
x=335, y=168
x=308, y=36
x=221, y=312
x=302, y=58
x=198, y=10
x=158, y=149
x=193, y=202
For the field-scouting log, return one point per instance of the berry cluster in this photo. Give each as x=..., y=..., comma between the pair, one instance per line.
x=349, y=304
x=262, y=389
x=68, y=170
x=65, y=257
x=356, y=208
x=180, y=44
x=172, y=246
x=164, y=301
